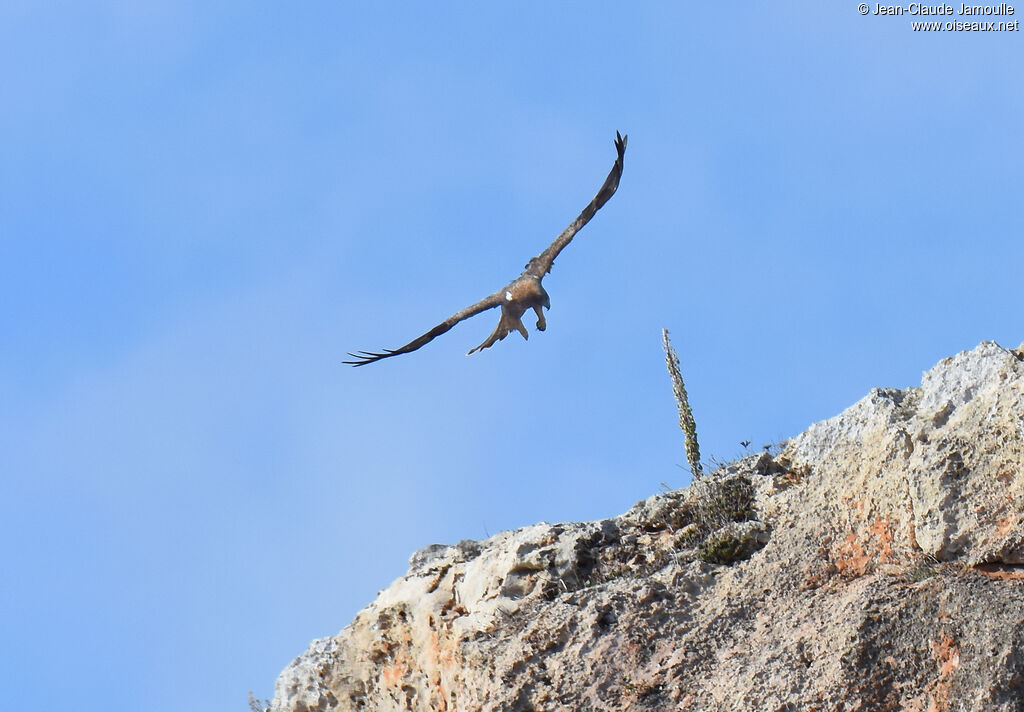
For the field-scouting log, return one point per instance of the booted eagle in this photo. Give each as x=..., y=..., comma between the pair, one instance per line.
x=525, y=292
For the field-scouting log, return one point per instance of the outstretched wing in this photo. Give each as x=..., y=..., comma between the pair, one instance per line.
x=541, y=264
x=364, y=357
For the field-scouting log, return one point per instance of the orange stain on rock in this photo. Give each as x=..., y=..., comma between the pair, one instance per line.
x=882, y=531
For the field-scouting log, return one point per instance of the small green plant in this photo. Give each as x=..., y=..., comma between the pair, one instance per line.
x=921, y=572
x=717, y=504
x=722, y=548
x=925, y=569
x=686, y=421
x=724, y=502
x=637, y=689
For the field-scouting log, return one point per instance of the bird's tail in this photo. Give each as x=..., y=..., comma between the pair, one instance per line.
x=506, y=325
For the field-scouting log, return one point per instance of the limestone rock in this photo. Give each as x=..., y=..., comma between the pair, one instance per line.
x=875, y=563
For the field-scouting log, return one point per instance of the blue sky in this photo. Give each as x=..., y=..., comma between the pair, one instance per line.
x=203, y=208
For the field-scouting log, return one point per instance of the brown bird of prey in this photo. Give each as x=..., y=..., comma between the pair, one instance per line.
x=525, y=292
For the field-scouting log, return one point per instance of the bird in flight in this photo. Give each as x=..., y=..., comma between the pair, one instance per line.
x=525, y=292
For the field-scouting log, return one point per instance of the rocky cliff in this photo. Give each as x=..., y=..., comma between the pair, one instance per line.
x=875, y=563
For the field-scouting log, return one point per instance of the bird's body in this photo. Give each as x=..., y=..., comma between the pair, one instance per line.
x=523, y=293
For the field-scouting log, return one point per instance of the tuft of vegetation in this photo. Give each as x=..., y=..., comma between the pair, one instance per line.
x=258, y=705
x=724, y=548
x=718, y=504
x=926, y=568
x=686, y=421
x=722, y=502
x=705, y=522
x=639, y=689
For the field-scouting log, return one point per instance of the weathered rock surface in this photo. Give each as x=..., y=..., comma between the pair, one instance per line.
x=875, y=563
